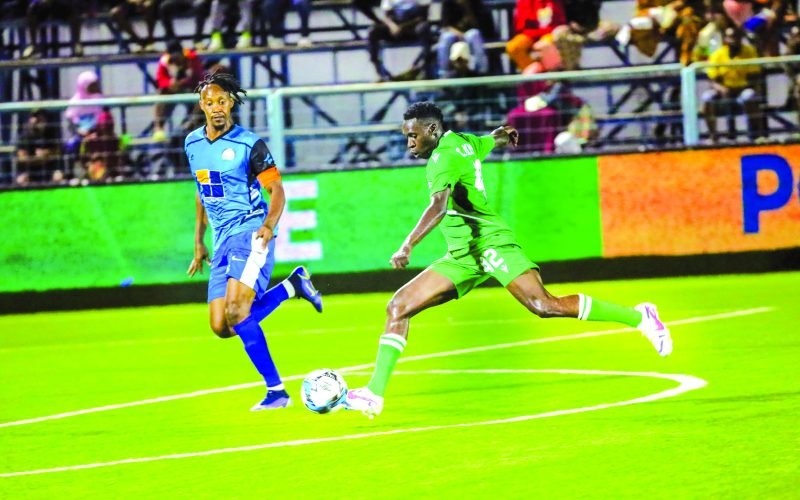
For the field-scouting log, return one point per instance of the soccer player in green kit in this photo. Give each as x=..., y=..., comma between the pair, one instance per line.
x=479, y=245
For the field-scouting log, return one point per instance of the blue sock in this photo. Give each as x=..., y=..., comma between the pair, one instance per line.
x=262, y=307
x=256, y=346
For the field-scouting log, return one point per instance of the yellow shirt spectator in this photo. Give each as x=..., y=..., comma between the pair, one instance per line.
x=733, y=77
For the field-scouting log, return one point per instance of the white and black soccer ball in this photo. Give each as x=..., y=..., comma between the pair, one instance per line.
x=323, y=391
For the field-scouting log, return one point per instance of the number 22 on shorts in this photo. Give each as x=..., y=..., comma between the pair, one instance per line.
x=492, y=262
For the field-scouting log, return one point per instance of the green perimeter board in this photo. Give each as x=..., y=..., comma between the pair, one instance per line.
x=100, y=236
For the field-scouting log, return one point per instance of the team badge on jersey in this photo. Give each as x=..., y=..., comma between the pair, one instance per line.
x=210, y=183
x=228, y=154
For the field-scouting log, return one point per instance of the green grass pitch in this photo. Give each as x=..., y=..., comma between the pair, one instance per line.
x=450, y=426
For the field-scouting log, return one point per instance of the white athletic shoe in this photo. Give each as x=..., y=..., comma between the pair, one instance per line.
x=365, y=401
x=245, y=41
x=652, y=328
x=216, y=43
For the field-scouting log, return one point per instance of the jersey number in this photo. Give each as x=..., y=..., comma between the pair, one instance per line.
x=479, y=178
x=490, y=261
x=465, y=150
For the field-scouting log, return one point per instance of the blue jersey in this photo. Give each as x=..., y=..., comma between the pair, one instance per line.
x=226, y=172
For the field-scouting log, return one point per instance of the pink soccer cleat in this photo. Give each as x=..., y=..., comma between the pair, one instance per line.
x=365, y=401
x=652, y=328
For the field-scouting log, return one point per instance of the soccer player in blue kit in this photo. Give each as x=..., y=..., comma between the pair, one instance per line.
x=230, y=165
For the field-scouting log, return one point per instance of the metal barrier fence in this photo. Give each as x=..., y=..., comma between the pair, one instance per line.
x=103, y=140
x=332, y=127
x=565, y=112
x=774, y=110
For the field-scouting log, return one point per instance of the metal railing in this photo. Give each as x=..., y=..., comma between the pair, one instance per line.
x=330, y=127
x=773, y=68
x=364, y=111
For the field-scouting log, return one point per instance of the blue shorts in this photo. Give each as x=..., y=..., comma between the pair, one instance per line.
x=240, y=257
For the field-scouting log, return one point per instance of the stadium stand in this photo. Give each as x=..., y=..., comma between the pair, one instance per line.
x=616, y=113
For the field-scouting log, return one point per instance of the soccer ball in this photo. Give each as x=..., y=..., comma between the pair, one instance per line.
x=323, y=391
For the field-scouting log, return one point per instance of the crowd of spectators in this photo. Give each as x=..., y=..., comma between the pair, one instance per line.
x=548, y=36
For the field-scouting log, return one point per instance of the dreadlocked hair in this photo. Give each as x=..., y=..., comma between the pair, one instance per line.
x=226, y=82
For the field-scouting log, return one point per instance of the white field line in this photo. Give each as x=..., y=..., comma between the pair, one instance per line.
x=406, y=359
x=276, y=333
x=270, y=334
x=686, y=383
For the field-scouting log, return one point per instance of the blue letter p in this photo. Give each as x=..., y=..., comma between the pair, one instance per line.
x=755, y=203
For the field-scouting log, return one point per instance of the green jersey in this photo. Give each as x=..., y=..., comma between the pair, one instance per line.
x=470, y=224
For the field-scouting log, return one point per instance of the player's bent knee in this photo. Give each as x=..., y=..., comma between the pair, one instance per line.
x=235, y=313
x=398, y=308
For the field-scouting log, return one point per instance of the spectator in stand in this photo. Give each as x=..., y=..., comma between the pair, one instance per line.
x=179, y=71
x=367, y=7
x=556, y=51
x=644, y=29
x=170, y=9
x=656, y=18
x=687, y=26
x=461, y=61
x=468, y=21
x=710, y=37
x=583, y=16
x=275, y=11
x=62, y=10
x=38, y=148
x=100, y=153
x=793, y=70
x=547, y=108
x=241, y=14
x=762, y=21
x=398, y=21
x=81, y=119
x=732, y=86
x=122, y=13
x=465, y=105
x=533, y=19
x=583, y=22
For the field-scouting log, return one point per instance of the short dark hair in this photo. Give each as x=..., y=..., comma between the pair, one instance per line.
x=424, y=110
x=174, y=47
x=226, y=81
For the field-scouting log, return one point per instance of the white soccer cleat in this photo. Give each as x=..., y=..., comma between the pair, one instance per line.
x=652, y=328
x=365, y=401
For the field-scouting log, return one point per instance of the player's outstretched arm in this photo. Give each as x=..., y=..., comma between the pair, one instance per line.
x=431, y=217
x=505, y=135
x=200, y=249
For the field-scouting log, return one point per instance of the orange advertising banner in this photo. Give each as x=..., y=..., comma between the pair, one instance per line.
x=693, y=202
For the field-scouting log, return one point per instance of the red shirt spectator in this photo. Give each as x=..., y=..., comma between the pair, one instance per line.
x=178, y=69
x=536, y=18
x=533, y=19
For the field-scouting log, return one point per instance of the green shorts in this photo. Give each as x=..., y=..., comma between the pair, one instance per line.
x=504, y=263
